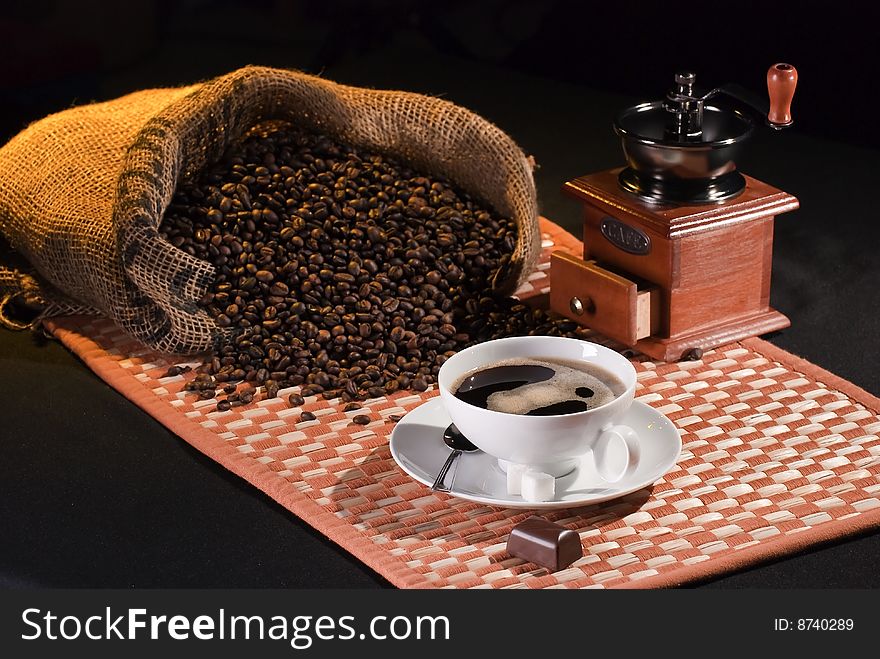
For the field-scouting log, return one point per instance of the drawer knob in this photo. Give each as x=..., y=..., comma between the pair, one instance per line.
x=578, y=306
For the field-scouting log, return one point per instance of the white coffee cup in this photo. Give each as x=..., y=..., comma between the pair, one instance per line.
x=551, y=444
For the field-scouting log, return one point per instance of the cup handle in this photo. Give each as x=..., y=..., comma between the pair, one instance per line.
x=622, y=435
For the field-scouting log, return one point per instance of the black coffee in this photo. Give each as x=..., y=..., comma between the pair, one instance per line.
x=539, y=387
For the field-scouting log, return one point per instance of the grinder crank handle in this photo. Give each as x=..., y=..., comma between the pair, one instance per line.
x=781, y=82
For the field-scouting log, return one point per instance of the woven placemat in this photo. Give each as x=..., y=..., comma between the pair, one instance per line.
x=777, y=455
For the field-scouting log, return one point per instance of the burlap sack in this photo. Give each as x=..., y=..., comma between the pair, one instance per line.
x=82, y=192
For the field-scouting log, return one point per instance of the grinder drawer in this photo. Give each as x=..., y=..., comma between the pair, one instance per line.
x=602, y=300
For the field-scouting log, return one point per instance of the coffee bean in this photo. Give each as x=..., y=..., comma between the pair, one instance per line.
x=264, y=276
x=360, y=419
x=350, y=407
x=351, y=388
x=307, y=416
x=295, y=400
x=223, y=405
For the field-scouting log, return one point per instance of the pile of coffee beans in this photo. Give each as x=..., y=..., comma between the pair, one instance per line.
x=341, y=271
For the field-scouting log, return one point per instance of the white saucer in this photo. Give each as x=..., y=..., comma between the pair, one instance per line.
x=417, y=446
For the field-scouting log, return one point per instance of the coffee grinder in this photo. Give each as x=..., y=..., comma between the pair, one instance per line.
x=678, y=244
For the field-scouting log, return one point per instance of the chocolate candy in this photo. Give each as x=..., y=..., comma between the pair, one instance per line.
x=544, y=543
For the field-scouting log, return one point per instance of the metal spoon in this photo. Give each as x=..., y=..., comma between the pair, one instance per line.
x=459, y=444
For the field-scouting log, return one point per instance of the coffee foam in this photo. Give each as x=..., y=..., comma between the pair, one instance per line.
x=559, y=388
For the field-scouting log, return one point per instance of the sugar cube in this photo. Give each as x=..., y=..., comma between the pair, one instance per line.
x=537, y=486
x=514, y=477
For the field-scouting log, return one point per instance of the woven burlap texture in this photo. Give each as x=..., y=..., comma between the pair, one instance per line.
x=82, y=192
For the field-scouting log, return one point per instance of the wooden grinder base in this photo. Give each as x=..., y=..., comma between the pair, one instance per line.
x=671, y=280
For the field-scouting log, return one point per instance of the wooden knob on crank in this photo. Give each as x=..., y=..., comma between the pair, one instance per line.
x=781, y=81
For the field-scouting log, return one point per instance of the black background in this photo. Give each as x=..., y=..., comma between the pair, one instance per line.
x=119, y=501
x=60, y=53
